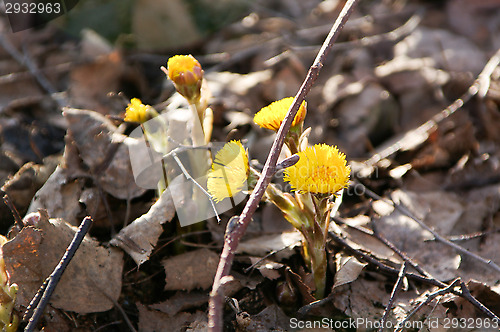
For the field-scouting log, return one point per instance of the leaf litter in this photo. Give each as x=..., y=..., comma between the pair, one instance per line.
x=368, y=100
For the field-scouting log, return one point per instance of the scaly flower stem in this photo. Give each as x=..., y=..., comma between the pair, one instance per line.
x=317, y=253
x=197, y=131
x=231, y=241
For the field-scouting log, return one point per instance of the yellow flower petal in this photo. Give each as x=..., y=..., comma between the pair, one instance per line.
x=229, y=171
x=186, y=73
x=136, y=111
x=320, y=169
x=272, y=116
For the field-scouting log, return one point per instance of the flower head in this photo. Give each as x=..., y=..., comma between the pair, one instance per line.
x=138, y=112
x=186, y=73
x=229, y=171
x=320, y=169
x=272, y=116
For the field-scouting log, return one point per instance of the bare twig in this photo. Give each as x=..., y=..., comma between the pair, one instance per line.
x=371, y=260
x=231, y=242
x=395, y=290
x=439, y=238
x=15, y=213
x=465, y=293
x=468, y=296
x=42, y=298
x=432, y=296
x=480, y=85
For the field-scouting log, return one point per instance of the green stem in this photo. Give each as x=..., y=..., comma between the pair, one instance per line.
x=317, y=254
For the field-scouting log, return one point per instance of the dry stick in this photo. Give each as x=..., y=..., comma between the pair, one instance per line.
x=442, y=291
x=449, y=289
x=384, y=268
x=480, y=85
x=444, y=288
x=436, y=235
x=395, y=290
x=42, y=298
x=468, y=296
x=428, y=279
x=15, y=213
x=369, y=259
x=231, y=241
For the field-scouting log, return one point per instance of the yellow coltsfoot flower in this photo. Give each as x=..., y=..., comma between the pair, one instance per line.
x=186, y=73
x=138, y=112
x=321, y=169
x=229, y=171
x=272, y=116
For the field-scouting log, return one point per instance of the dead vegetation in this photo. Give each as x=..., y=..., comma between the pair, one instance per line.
x=410, y=92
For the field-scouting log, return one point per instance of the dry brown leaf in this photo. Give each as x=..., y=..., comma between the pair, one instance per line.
x=140, y=237
x=92, y=280
x=99, y=145
x=361, y=298
x=194, y=269
x=348, y=270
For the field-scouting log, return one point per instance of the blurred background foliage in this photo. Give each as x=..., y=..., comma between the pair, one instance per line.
x=153, y=24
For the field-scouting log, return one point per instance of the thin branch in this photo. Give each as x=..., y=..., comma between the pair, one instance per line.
x=465, y=293
x=42, y=298
x=231, y=242
x=468, y=296
x=439, y=238
x=382, y=267
x=395, y=290
x=371, y=260
x=432, y=296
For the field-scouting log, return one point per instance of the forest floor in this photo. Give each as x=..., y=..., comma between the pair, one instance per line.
x=410, y=93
